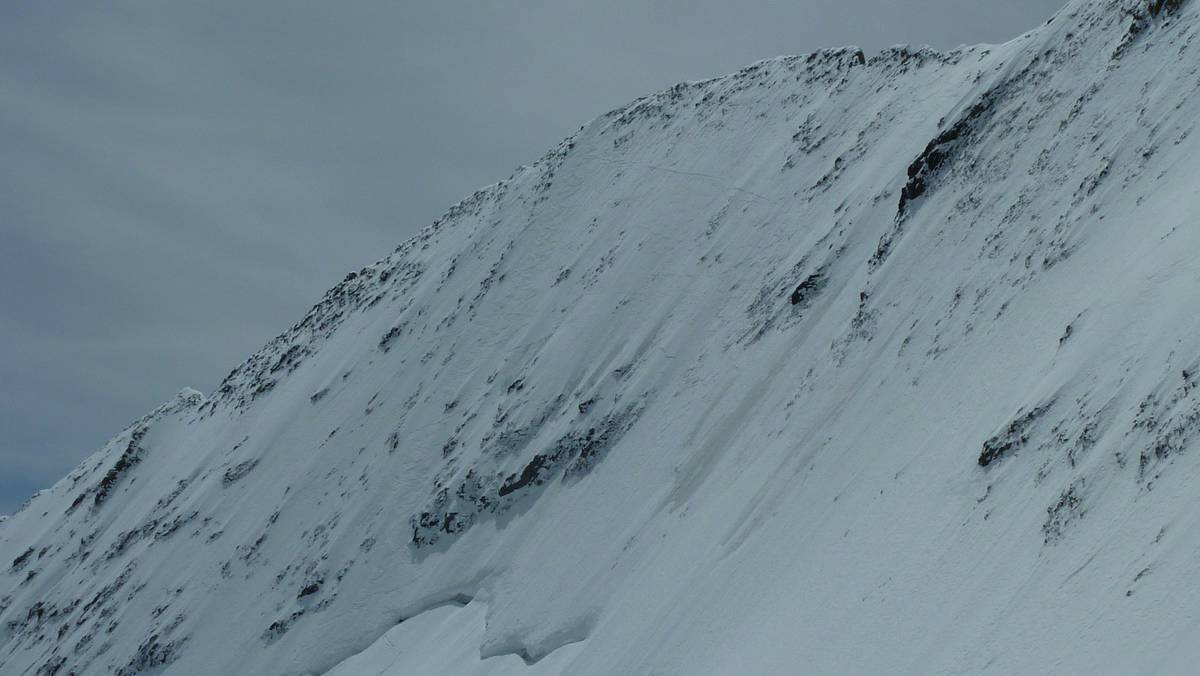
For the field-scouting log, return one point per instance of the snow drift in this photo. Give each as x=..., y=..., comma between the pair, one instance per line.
x=836, y=364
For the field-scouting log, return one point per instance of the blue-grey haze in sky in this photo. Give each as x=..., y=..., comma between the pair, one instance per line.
x=180, y=181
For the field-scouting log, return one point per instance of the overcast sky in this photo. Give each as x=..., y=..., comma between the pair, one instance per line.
x=181, y=181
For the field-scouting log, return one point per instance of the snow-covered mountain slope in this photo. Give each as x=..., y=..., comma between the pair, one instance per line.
x=835, y=365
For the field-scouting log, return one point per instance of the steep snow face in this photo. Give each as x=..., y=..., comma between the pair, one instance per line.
x=834, y=364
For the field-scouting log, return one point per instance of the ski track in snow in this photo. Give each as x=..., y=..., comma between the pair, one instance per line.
x=717, y=179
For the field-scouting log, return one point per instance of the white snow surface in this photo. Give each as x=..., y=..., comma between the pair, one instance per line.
x=579, y=425
x=432, y=643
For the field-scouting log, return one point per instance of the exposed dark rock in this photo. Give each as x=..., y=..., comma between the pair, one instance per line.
x=1062, y=513
x=1171, y=417
x=238, y=471
x=809, y=288
x=478, y=493
x=19, y=562
x=153, y=652
x=938, y=153
x=310, y=588
x=1013, y=437
x=131, y=456
x=533, y=473
x=280, y=627
x=52, y=666
x=1158, y=7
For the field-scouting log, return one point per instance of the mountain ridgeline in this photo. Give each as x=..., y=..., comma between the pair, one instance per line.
x=842, y=363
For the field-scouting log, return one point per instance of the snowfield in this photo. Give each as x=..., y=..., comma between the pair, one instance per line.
x=837, y=364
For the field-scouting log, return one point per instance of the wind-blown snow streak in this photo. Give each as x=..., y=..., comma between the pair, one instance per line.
x=836, y=364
